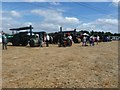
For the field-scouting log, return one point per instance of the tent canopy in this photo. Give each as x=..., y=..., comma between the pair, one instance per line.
x=85, y=34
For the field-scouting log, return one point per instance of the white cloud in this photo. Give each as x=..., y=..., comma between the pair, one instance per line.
x=52, y=20
x=103, y=24
x=15, y=14
x=86, y=26
x=72, y=20
x=10, y=19
x=55, y=17
x=6, y=18
x=68, y=29
x=107, y=21
x=46, y=13
x=49, y=27
x=115, y=2
x=55, y=3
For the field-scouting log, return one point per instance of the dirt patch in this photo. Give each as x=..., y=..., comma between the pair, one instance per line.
x=69, y=67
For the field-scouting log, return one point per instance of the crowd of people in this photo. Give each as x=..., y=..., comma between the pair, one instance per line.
x=66, y=40
x=42, y=40
x=90, y=39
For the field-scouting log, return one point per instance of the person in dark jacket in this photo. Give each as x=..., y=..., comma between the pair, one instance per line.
x=41, y=40
x=4, y=41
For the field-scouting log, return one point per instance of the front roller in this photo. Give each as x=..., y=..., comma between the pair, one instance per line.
x=34, y=43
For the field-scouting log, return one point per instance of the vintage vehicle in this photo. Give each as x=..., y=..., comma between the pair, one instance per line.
x=25, y=37
x=63, y=41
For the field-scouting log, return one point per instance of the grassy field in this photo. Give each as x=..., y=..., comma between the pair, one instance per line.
x=50, y=67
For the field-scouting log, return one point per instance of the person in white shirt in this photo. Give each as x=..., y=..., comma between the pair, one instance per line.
x=98, y=39
x=70, y=39
x=48, y=37
x=84, y=41
x=47, y=40
x=91, y=40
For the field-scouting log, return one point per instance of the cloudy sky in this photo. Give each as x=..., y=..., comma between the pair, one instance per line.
x=49, y=16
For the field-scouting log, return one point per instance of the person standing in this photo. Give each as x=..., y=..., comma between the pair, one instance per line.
x=98, y=39
x=4, y=41
x=41, y=40
x=91, y=40
x=84, y=41
x=47, y=40
x=69, y=40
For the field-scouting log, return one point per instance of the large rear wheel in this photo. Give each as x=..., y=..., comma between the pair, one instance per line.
x=16, y=40
x=24, y=43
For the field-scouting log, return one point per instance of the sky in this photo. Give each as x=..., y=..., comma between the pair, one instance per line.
x=50, y=16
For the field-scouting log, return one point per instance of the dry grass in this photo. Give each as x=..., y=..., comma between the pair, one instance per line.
x=54, y=66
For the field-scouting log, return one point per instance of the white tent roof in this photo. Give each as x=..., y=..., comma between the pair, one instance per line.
x=86, y=34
